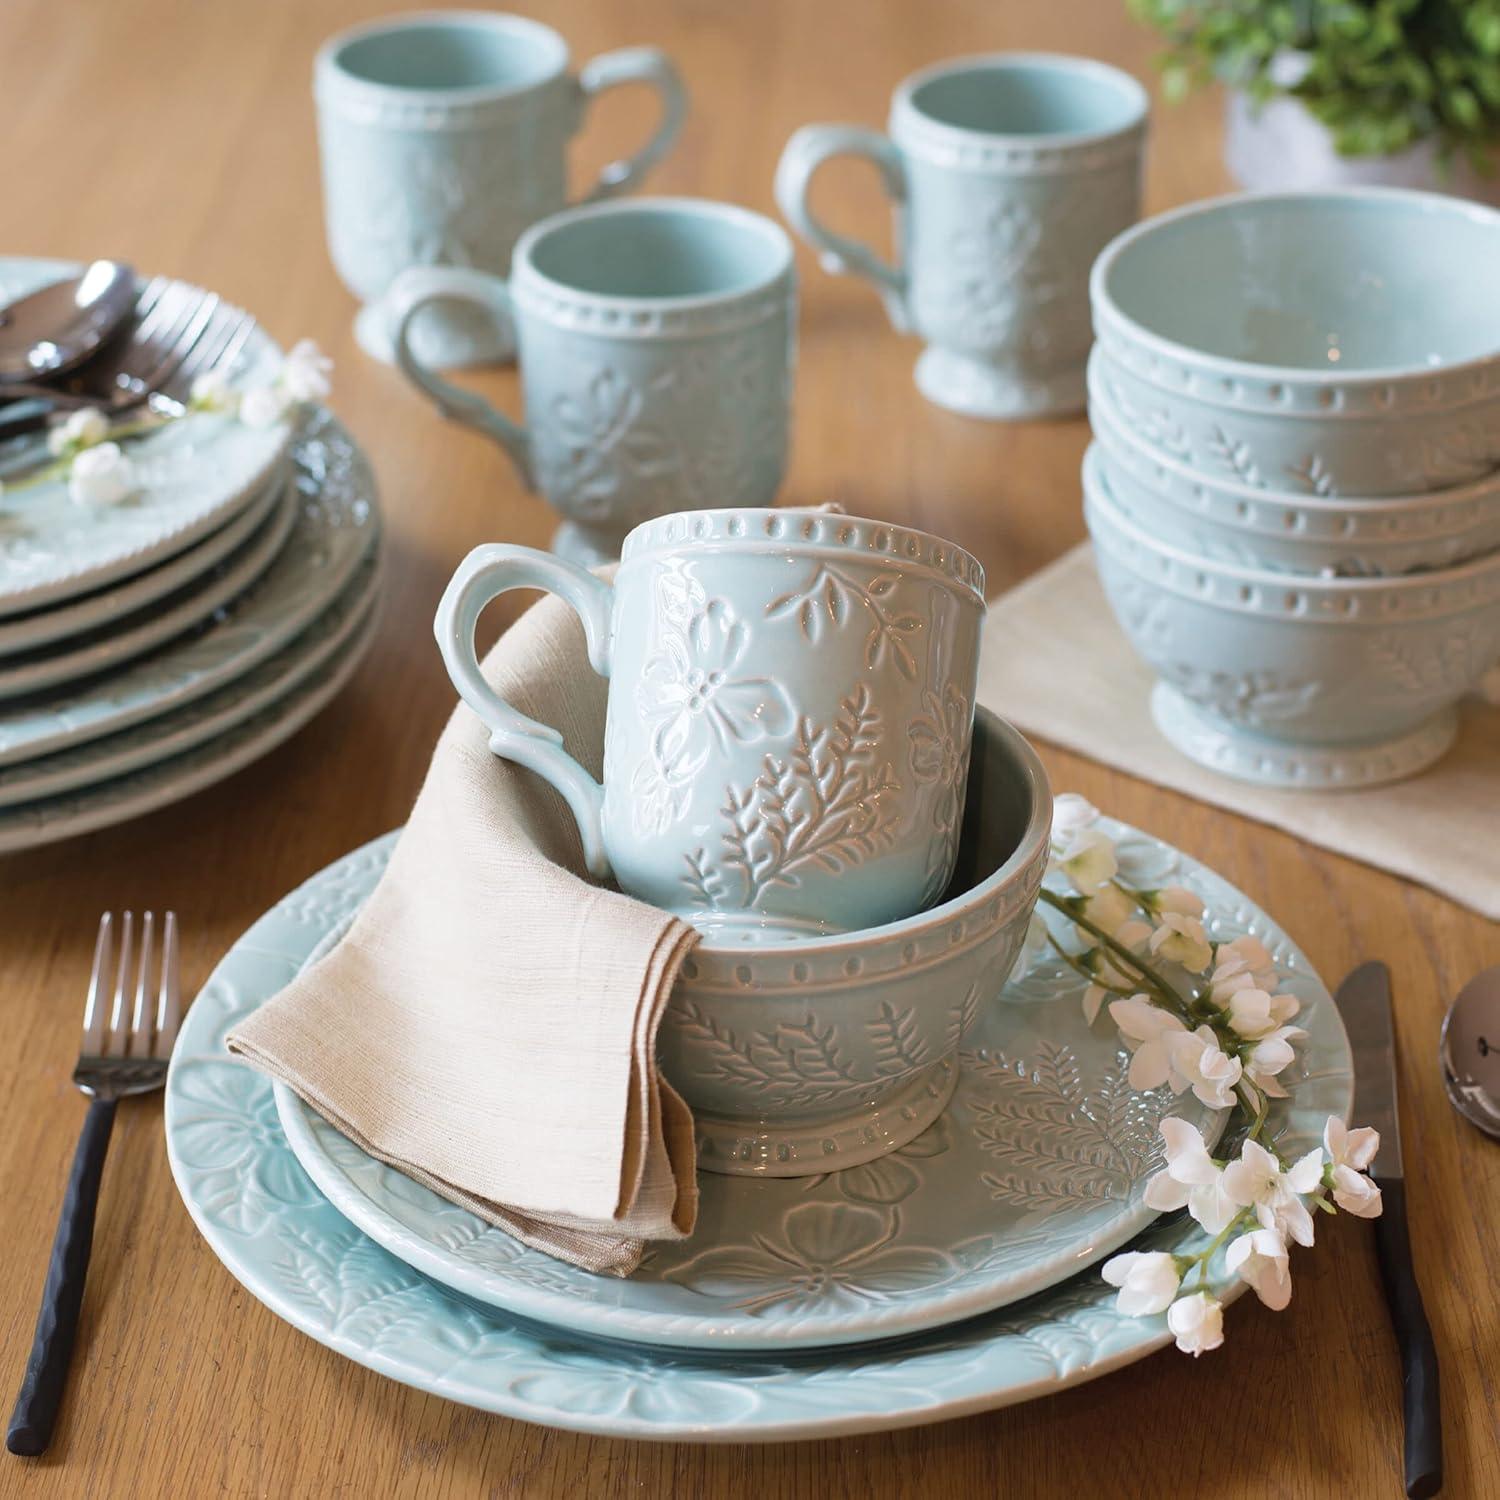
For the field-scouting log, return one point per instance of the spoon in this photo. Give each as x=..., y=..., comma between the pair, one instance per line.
x=56, y=328
x=1470, y=1052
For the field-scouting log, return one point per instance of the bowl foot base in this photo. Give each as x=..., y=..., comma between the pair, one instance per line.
x=443, y=337
x=806, y=1149
x=993, y=392
x=1265, y=762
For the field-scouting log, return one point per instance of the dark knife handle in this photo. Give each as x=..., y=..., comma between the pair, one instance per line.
x=46, y=1375
x=1419, y=1364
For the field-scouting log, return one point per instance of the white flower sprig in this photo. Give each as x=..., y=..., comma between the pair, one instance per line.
x=1224, y=1032
x=87, y=451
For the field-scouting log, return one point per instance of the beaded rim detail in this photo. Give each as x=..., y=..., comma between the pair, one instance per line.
x=804, y=531
x=1292, y=597
x=1285, y=390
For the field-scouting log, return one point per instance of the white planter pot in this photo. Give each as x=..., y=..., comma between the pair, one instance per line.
x=1279, y=146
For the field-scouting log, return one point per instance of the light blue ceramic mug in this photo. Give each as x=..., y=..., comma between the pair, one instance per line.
x=655, y=341
x=1010, y=173
x=791, y=702
x=443, y=136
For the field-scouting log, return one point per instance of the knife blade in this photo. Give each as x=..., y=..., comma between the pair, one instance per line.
x=1364, y=1001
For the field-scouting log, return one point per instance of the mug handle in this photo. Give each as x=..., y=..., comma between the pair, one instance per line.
x=807, y=150
x=413, y=290
x=648, y=65
x=485, y=574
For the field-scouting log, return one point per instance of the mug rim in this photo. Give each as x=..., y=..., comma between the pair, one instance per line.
x=331, y=76
x=525, y=273
x=762, y=528
x=906, y=111
x=1132, y=332
x=1012, y=868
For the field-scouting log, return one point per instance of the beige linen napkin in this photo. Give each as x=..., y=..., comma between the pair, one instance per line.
x=488, y=1024
x=1055, y=663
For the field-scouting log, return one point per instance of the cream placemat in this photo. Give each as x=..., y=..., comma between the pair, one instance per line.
x=1055, y=663
x=488, y=1025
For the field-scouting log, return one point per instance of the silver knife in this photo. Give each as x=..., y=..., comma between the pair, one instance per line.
x=1364, y=1001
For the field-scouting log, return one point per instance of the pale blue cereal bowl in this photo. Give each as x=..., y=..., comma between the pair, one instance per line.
x=1251, y=527
x=1293, y=681
x=1331, y=343
x=808, y=1055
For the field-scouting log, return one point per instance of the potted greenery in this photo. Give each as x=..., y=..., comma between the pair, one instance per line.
x=1327, y=92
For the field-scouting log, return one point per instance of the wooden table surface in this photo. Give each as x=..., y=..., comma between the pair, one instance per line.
x=180, y=136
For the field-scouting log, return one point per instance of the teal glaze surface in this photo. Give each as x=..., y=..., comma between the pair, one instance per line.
x=1009, y=173
x=293, y=1250
x=1328, y=343
x=1228, y=520
x=790, y=711
x=443, y=136
x=655, y=341
x=1303, y=681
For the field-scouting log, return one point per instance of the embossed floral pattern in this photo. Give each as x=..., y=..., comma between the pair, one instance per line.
x=232, y=1142
x=820, y=1251
x=599, y=441
x=829, y=802
x=830, y=596
x=940, y=739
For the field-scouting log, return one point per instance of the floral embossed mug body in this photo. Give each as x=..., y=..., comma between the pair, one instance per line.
x=791, y=703
x=655, y=340
x=443, y=136
x=1010, y=173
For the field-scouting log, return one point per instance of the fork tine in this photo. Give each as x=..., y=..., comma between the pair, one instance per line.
x=158, y=334
x=138, y=1043
x=182, y=345
x=217, y=349
x=114, y=1043
x=169, y=1011
x=93, y=1010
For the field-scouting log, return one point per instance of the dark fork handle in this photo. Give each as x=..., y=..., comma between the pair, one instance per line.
x=32, y=1421
x=1419, y=1365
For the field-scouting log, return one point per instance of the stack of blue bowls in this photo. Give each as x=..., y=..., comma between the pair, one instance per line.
x=1294, y=484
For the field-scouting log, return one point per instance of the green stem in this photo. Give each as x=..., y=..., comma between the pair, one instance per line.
x=1117, y=949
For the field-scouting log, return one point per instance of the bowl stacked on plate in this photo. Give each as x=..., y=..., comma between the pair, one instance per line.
x=1294, y=486
x=150, y=647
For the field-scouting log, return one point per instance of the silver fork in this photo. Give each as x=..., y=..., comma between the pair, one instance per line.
x=126, y=1044
x=188, y=340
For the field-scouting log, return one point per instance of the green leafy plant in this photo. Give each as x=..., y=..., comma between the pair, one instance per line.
x=1380, y=74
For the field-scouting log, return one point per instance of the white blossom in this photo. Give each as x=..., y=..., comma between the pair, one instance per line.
x=1182, y=940
x=1088, y=860
x=1197, y=1059
x=264, y=406
x=1256, y=1181
x=101, y=475
x=1269, y=1056
x=1147, y=1030
x=1260, y=1260
x=1197, y=1323
x=1243, y=964
x=1177, y=898
x=1071, y=814
x=1255, y=1013
x=1350, y=1152
x=82, y=429
x=1148, y=1281
x=1191, y=1179
x=304, y=375
x=211, y=392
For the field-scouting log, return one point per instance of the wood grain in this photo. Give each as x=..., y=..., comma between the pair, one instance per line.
x=181, y=137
